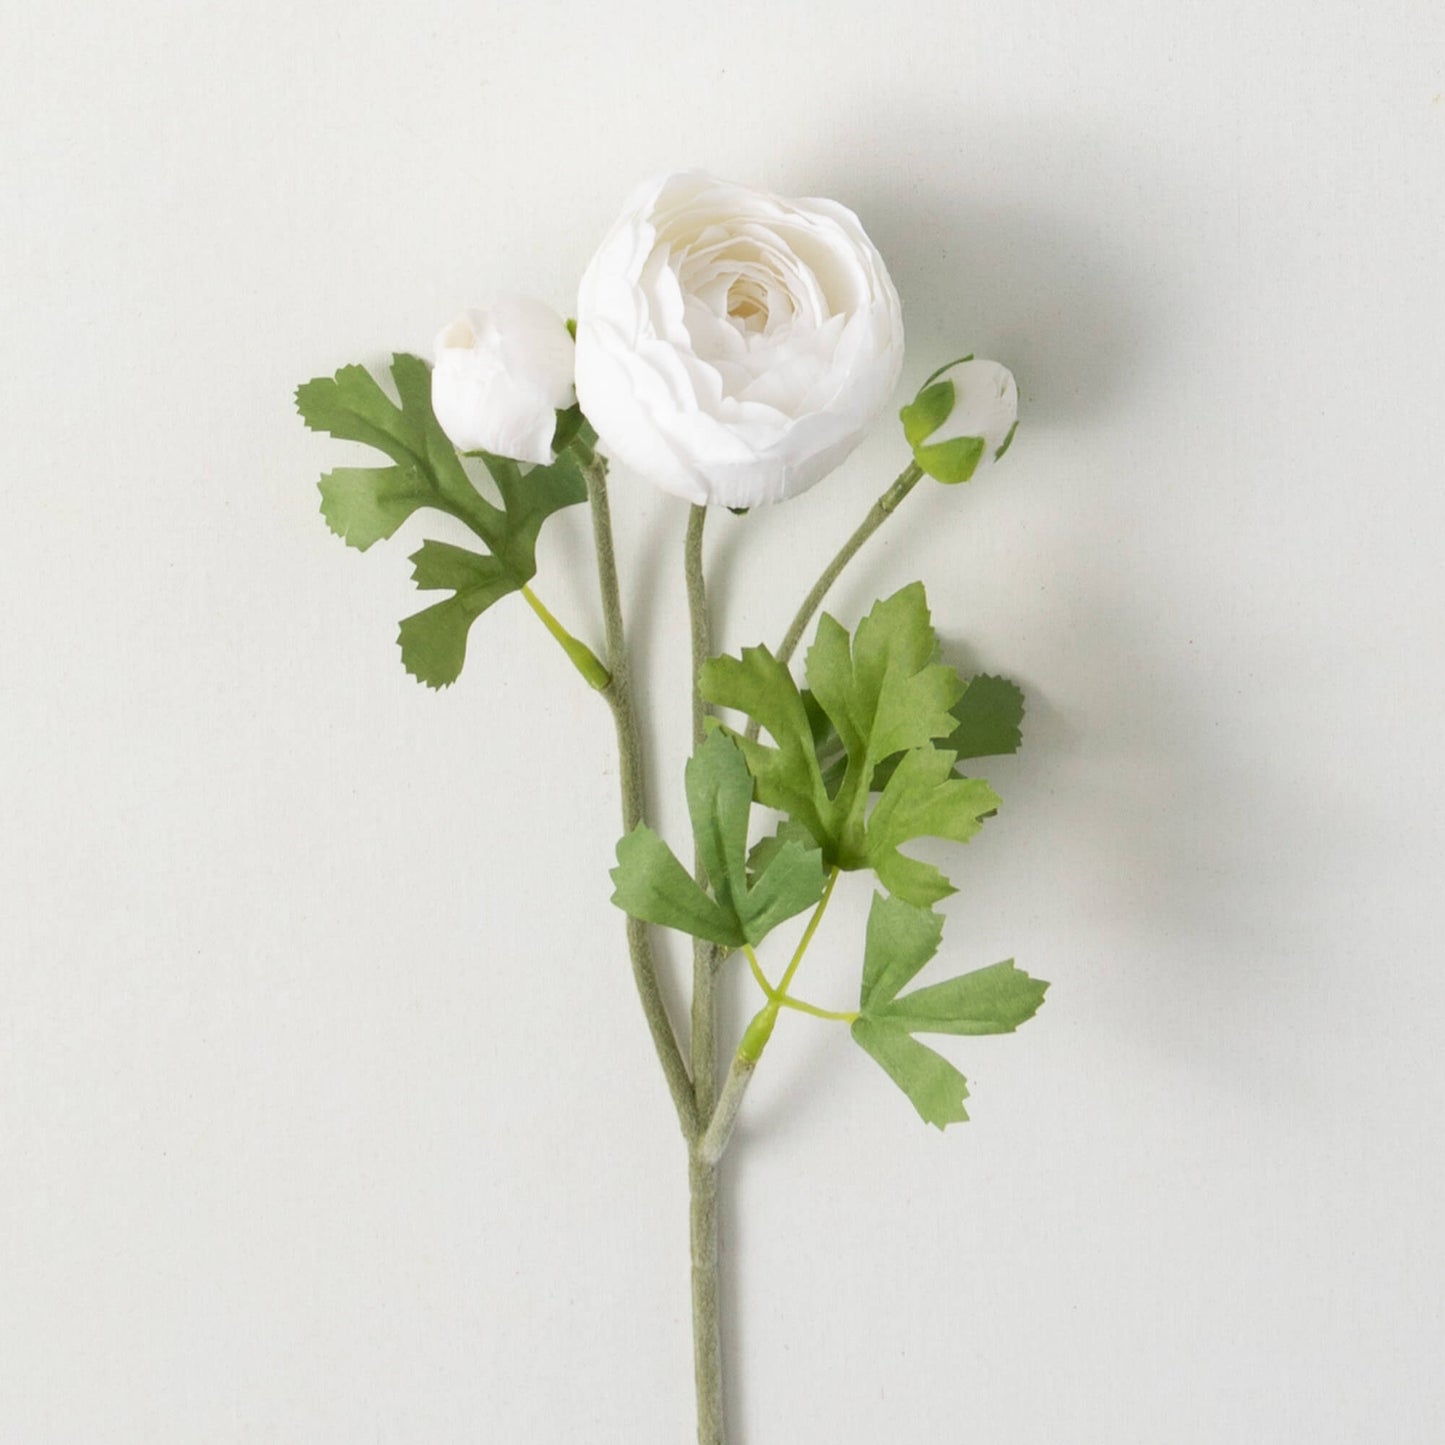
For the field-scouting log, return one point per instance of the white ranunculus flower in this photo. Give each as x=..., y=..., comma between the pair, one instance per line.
x=733, y=347
x=501, y=375
x=963, y=419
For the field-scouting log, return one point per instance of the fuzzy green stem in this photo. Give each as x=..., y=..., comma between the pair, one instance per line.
x=702, y=1169
x=719, y=1131
x=704, y=954
x=702, y=1178
x=618, y=693
x=583, y=658
x=878, y=513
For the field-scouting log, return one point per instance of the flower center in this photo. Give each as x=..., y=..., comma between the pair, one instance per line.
x=748, y=304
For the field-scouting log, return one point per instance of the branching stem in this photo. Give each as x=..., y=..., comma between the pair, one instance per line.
x=618, y=693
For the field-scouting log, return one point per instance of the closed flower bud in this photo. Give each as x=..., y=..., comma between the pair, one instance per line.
x=501, y=376
x=963, y=419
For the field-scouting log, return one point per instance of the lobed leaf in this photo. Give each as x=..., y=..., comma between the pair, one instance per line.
x=747, y=902
x=934, y=1087
x=364, y=505
x=901, y=939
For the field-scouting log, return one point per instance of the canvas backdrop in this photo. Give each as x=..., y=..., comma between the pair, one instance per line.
x=327, y=1113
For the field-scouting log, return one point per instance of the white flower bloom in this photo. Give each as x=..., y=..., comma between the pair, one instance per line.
x=732, y=346
x=963, y=419
x=501, y=375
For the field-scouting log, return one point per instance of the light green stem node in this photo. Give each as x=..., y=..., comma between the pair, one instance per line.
x=583, y=658
x=755, y=1037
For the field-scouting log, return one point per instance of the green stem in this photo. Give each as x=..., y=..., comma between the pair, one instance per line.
x=618, y=693
x=703, y=1170
x=809, y=931
x=719, y=1131
x=704, y=954
x=757, y=971
x=786, y=1000
x=702, y=1178
x=878, y=513
x=583, y=658
x=760, y=1030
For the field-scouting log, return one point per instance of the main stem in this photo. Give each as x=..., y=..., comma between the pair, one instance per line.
x=702, y=1169
x=618, y=693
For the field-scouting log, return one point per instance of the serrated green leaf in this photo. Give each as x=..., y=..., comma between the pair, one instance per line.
x=989, y=718
x=987, y=723
x=434, y=641
x=934, y=1087
x=992, y=1000
x=786, y=776
x=652, y=885
x=881, y=691
x=745, y=906
x=900, y=941
x=923, y=800
x=364, y=505
x=767, y=848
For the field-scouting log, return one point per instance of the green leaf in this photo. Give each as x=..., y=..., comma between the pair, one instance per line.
x=901, y=940
x=881, y=692
x=786, y=776
x=363, y=505
x=987, y=723
x=745, y=905
x=989, y=718
x=992, y=1000
x=719, y=800
x=767, y=848
x=652, y=885
x=934, y=1087
x=923, y=799
x=434, y=642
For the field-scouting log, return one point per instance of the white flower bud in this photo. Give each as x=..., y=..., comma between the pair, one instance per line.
x=963, y=419
x=501, y=375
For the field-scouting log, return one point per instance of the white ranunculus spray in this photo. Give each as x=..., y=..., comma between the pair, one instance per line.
x=734, y=347
x=731, y=347
x=500, y=378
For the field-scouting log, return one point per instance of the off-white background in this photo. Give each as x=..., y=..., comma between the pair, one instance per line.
x=326, y=1110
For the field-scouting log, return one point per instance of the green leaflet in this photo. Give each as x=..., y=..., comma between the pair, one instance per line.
x=880, y=695
x=988, y=722
x=995, y=1000
x=935, y=1088
x=364, y=505
x=923, y=799
x=745, y=905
